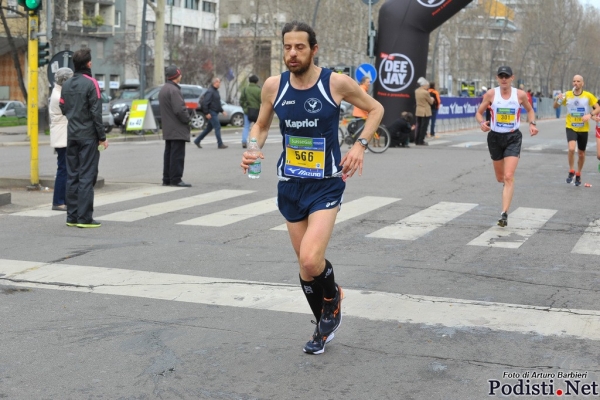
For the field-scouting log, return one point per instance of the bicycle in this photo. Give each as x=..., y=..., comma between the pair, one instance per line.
x=350, y=129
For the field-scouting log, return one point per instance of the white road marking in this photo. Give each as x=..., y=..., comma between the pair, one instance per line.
x=153, y=210
x=467, y=144
x=522, y=224
x=589, y=242
x=423, y=222
x=436, y=142
x=101, y=199
x=377, y=306
x=355, y=208
x=233, y=215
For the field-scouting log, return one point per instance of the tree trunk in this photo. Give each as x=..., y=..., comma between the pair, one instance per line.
x=159, y=41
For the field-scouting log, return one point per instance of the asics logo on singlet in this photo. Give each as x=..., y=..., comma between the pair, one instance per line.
x=313, y=105
x=288, y=102
x=331, y=204
x=329, y=271
x=301, y=124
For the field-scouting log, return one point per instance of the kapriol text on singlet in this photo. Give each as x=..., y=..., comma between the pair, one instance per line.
x=301, y=124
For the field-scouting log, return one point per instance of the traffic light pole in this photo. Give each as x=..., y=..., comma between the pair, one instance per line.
x=32, y=99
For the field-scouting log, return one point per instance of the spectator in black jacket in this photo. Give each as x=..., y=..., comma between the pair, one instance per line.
x=401, y=129
x=175, y=127
x=80, y=101
x=211, y=107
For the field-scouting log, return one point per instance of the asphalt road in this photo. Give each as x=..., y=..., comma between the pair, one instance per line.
x=193, y=293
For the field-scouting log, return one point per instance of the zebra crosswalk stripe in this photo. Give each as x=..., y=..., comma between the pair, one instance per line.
x=437, y=142
x=522, y=224
x=153, y=210
x=467, y=144
x=234, y=215
x=355, y=208
x=423, y=222
x=102, y=200
x=372, y=305
x=589, y=242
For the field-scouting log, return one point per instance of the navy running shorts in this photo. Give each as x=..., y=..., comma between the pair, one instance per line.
x=580, y=137
x=504, y=144
x=298, y=198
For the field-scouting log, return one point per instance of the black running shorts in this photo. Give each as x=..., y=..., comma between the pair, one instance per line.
x=581, y=137
x=504, y=144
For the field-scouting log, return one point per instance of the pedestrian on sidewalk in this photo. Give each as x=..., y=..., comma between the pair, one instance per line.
x=175, y=127
x=423, y=111
x=81, y=103
x=211, y=107
x=250, y=102
x=58, y=138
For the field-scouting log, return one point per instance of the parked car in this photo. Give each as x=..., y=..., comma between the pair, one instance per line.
x=119, y=106
x=235, y=115
x=191, y=94
x=7, y=108
x=107, y=117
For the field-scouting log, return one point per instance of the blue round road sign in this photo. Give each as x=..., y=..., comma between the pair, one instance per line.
x=365, y=70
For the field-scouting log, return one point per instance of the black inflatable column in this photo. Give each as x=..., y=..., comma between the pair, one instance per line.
x=402, y=46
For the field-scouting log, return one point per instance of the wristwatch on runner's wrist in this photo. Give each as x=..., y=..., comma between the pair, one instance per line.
x=533, y=123
x=363, y=142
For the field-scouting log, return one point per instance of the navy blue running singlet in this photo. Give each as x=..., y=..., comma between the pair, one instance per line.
x=308, y=120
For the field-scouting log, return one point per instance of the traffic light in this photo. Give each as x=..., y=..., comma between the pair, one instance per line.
x=43, y=52
x=31, y=5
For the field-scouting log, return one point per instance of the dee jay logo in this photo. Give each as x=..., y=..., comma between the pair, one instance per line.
x=396, y=72
x=431, y=3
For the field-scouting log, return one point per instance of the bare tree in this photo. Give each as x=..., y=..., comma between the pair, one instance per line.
x=159, y=41
x=13, y=49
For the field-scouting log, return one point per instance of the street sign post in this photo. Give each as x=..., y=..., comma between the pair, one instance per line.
x=365, y=70
x=60, y=60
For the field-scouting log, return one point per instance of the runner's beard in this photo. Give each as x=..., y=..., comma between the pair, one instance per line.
x=300, y=69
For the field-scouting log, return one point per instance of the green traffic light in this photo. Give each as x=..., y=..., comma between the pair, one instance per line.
x=33, y=4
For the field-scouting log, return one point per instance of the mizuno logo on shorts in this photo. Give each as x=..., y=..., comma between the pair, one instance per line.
x=331, y=204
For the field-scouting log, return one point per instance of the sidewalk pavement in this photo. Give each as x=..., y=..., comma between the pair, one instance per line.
x=17, y=136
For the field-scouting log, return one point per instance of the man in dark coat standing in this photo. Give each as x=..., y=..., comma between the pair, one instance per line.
x=175, y=119
x=81, y=103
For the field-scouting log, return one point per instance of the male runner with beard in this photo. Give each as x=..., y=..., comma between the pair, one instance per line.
x=311, y=169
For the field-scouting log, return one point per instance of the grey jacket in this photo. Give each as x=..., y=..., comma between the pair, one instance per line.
x=175, y=117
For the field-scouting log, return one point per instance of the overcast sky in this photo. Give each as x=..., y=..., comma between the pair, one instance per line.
x=595, y=3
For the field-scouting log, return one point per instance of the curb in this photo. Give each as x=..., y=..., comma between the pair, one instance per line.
x=45, y=181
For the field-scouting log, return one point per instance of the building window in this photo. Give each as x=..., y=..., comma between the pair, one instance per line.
x=208, y=36
x=190, y=35
x=115, y=82
x=100, y=79
x=150, y=28
x=191, y=4
x=209, y=6
x=100, y=49
x=174, y=3
x=117, y=19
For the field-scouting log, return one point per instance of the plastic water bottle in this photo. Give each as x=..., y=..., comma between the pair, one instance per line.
x=254, y=170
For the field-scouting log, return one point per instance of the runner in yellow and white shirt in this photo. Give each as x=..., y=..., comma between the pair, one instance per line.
x=581, y=106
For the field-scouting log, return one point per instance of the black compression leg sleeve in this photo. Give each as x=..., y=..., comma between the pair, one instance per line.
x=314, y=295
x=327, y=281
